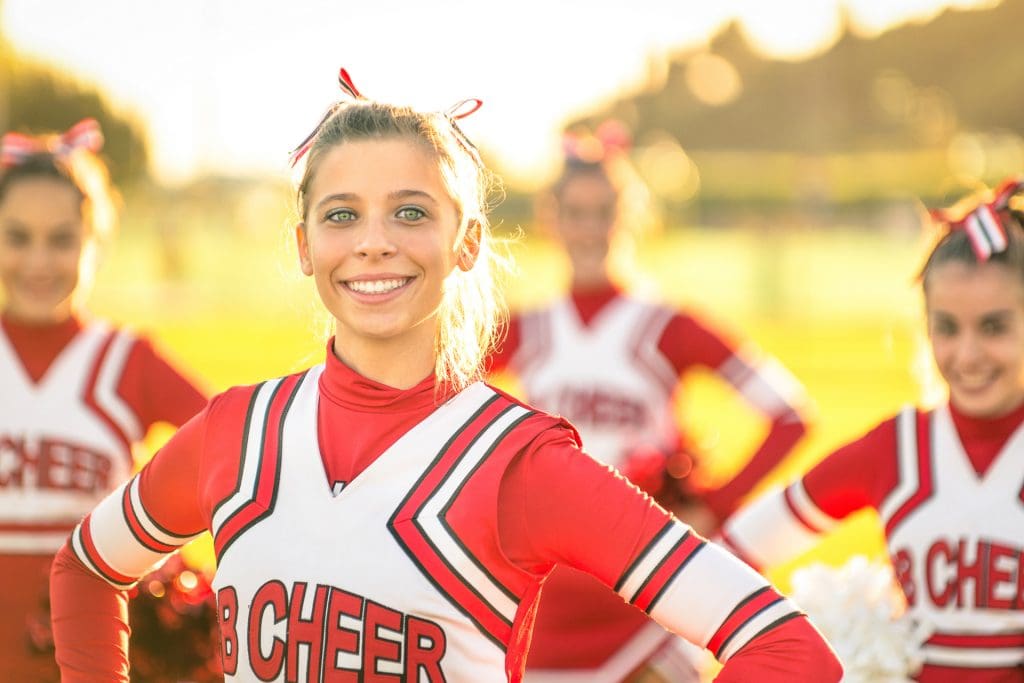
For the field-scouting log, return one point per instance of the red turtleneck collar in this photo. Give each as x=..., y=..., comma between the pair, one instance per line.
x=589, y=301
x=347, y=388
x=38, y=344
x=361, y=418
x=983, y=438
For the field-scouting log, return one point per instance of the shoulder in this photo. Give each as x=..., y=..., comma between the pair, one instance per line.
x=538, y=422
x=239, y=402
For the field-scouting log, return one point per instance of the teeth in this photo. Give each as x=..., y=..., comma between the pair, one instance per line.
x=375, y=286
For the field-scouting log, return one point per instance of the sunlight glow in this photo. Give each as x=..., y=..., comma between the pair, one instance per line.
x=231, y=87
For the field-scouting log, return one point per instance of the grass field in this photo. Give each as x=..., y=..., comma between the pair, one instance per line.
x=838, y=308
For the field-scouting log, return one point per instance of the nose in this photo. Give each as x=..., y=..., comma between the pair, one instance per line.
x=971, y=348
x=375, y=240
x=38, y=258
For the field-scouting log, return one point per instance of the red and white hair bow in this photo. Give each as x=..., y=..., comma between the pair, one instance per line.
x=459, y=111
x=15, y=148
x=983, y=225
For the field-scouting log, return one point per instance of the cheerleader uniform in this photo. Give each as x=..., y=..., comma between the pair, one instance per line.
x=949, y=490
x=74, y=397
x=368, y=533
x=611, y=365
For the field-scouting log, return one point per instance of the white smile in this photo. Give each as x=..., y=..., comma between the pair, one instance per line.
x=376, y=286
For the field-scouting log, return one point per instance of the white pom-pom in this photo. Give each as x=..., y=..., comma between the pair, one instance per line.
x=860, y=610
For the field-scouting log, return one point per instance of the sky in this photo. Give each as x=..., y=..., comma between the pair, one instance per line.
x=232, y=85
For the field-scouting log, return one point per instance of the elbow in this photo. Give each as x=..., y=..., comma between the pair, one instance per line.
x=823, y=660
x=829, y=665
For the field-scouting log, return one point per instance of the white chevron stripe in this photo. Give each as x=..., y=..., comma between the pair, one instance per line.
x=250, y=459
x=909, y=476
x=106, y=387
x=429, y=517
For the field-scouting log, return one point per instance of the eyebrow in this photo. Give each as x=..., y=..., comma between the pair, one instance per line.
x=397, y=194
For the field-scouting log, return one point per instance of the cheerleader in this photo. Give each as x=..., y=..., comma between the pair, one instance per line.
x=946, y=482
x=611, y=363
x=75, y=393
x=385, y=516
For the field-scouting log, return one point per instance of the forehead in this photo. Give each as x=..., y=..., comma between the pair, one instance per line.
x=41, y=201
x=586, y=187
x=378, y=167
x=973, y=289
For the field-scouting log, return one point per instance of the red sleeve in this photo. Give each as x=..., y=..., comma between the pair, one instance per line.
x=860, y=474
x=506, y=348
x=156, y=390
x=89, y=614
x=783, y=435
x=793, y=647
x=687, y=343
x=89, y=618
x=557, y=505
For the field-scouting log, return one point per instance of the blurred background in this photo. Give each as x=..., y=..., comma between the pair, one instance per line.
x=790, y=148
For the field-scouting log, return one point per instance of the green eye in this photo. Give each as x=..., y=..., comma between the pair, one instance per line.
x=411, y=213
x=340, y=215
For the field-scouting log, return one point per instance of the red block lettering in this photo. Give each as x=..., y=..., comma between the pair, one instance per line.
x=932, y=575
x=376, y=648
x=271, y=594
x=974, y=572
x=424, y=647
x=903, y=568
x=999, y=577
x=227, y=614
x=309, y=631
x=341, y=640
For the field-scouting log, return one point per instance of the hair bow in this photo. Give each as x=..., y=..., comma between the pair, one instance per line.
x=15, y=148
x=983, y=226
x=347, y=87
x=610, y=138
x=459, y=111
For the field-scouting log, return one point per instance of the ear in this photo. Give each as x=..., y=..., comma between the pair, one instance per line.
x=302, y=242
x=469, y=249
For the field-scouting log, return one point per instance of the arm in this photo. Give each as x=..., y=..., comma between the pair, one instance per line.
x=785, y=523
x=564, y=507
x=765, y=385
x=127, y=533
x=156, y=390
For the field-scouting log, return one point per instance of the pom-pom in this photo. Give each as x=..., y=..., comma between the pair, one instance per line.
x=859, y=609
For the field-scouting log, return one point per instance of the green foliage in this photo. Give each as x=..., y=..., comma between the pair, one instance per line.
x=35, y=98
x=868, y=119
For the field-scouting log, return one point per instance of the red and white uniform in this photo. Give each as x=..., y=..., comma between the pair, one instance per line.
x=365, y=532
x=611, y=365
x=73, y=399
x=949, y=490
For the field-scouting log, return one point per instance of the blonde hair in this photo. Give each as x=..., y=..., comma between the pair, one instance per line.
x=472, y=309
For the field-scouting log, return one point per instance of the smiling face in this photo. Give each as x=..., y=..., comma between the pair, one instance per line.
x=41, y=241
x=587, y=206
x=976, y=326
x=379, y=238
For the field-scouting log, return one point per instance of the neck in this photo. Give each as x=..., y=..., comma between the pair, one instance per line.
x=392, y=363
x=590, y=279
x=56, y=316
